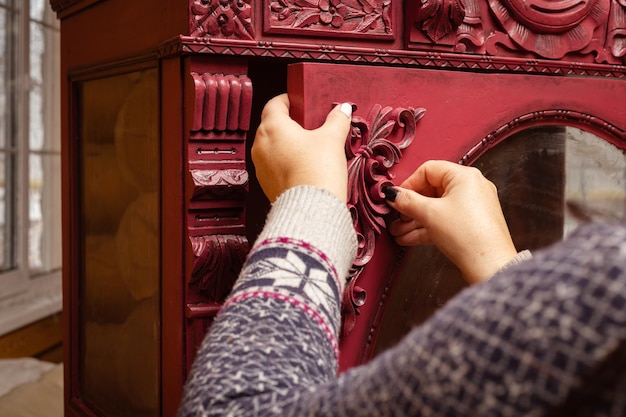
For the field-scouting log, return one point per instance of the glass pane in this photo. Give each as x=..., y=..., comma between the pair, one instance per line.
x=37, y=8
x=37, y=49
x=44, y=213
x=120, y=217
x=4, y=218
x=550, y=179
x=4, y=93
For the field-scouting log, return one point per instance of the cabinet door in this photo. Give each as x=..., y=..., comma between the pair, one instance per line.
x=113, y=287
x=552, y=144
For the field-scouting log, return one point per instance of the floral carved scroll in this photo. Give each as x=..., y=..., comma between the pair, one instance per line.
x=218, y=259
x=353, y=18
x=374, y=147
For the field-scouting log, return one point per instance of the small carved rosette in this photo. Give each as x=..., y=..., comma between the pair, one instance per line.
x=374, y=147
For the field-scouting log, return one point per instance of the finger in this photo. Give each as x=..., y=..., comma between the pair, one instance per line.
x=414, y=237
x=401, y=227
x=412, y=205
x=431, y=178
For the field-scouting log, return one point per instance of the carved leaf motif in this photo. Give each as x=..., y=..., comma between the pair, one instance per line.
x=306, y=18
x=218, y=259
x=438, y=18
x=374, y=146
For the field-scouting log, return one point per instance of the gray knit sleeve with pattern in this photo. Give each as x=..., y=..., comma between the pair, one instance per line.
x=542, y=337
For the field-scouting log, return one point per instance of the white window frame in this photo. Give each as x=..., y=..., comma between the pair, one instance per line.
x=26, y=297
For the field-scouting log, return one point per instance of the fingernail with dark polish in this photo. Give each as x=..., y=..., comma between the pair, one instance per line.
x=390, y=193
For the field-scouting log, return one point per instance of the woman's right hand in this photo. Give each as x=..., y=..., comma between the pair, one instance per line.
x=457, y=209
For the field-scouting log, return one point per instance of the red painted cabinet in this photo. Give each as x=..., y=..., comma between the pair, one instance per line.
x=160, y=101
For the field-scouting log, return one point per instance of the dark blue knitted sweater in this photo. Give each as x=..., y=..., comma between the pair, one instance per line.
x=543, y=337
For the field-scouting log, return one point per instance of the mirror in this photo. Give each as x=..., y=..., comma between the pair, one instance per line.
x=550, y=179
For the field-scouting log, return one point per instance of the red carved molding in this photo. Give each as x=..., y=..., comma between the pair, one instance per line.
x=584, y=121
x=221, y=18
x=406, y=58
x=64, y=8
x=219, y=183
x=218, y=260
x=336, y=18
x=375, y=145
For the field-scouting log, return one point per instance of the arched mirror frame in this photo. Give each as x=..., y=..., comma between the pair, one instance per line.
x=592, y=124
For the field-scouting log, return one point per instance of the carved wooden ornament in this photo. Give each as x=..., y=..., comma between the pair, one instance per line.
x=375, y=145
x=221, y=19
x=551, y=28
x=358, y=18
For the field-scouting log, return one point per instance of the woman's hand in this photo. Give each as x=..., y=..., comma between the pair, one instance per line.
x=286, y=155
x=456, y=208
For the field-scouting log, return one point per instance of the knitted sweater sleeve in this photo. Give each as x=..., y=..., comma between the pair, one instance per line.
x=276, y=337
x=518, y=345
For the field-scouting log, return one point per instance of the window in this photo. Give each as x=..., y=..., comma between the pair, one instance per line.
x=30, y=163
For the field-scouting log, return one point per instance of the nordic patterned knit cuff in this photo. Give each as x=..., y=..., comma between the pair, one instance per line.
x=316, y=216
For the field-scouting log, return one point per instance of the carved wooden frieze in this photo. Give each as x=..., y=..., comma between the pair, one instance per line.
x=550, y=29
x=335, y=18
x=374, y=147
x=221, y=19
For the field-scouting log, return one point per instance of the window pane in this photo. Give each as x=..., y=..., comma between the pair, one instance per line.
x=44, y=214
x=37, y=8
x=37, y=48
x=44, y=203
x=4, y=73
x=4, y=222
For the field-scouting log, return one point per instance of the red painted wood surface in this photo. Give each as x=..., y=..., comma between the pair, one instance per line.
x=466, y=113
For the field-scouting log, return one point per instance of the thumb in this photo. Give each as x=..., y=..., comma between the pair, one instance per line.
x=337, y=123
